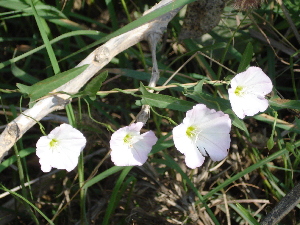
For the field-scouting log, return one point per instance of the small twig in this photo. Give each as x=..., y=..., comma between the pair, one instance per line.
x=226, y=208
x=174, y=74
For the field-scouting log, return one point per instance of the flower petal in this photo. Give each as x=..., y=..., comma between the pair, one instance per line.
x=136, y=126
x=253, y=75
x=149, y=139
x=221, y=123
x=61, y=148
x=65, y=159
x=214, y=145
x=181, y=141
x=255, y=84
x=209, y=135
x=249, y=104
x=186, y=145
x=122, y=156
x=135, y=151
x=193, y=157
x=199, y=114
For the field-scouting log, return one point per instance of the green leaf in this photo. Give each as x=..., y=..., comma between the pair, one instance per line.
x=14, y=4
x=102, y=176
x=23, y=153
x=44, y=30
x=24, y=88
x=246, y=215
x=116, y=192
x=280, y=123
x=246, y=59
x=22, y=75
x=43, y=87
x=199, y=86
x=93, y=86
x=164, y=101
x=285, y=103
x=270, y=143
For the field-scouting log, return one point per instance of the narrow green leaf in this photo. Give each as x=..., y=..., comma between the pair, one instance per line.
x=280, y=123
x=246, y=58
x=22, y=75
x=270, y=143
x=23, y=153
x=164, y=101
x=13, y=4
x=102, y=176
x=112, y=14
x=46, y=12
x=42, y=25
x=112, y=201
x=245, y=214
x=25, y=89
x=285, y=103
x=199, y=86
x=43, y=87
x=93, y=86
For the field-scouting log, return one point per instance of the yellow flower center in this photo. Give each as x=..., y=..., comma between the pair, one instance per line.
x=53, y=143
x=238, y=91
x=127, y=139
x=191, y=131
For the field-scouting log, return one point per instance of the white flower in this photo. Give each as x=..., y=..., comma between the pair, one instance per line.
x=61, y=148
x=203, y=132
x=129, y=147
x=248, y=90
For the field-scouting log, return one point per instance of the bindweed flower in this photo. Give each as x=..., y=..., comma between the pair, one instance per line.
x=203, y=132
x=129, y=147
x=248, y=90
x=60, y=148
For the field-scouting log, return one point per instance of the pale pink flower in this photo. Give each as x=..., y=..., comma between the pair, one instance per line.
x=60, y=148
x=248, y=90
x=203, y=132
x=129, y=147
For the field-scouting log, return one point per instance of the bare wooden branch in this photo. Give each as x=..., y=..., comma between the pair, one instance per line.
x=96, y=60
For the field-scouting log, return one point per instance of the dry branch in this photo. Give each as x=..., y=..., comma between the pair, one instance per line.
x=96, y=60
